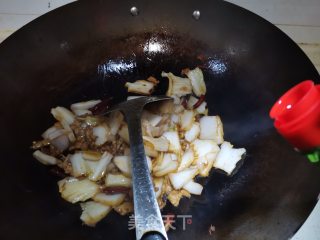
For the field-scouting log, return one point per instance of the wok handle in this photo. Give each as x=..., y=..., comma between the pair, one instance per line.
x=153, y=236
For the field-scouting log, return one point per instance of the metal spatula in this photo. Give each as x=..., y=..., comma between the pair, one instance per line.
x=149, y=224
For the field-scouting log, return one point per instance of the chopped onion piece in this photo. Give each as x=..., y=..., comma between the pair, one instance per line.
x=115, y=120
x=124, y=133
x=186, y=120
x=193, y=187
x=84, y=105
x=165, y=165
x=186, y=160
x=193, y=132
x=177, y=86
x=153, y=119
x=63, y=115
x=78, y=165
x=44, y=158
x=140, y=87
x=91, y=155
x=159, y=144
x=117, y=180
x=158, y=183
x=197, y=81
x=181, y=178
x=211, y=128
x=228, y=157
x=203, y=147
x=101, y=167
x=74, y=190
x=102, y=134
x=173, y=138
x=109, y=199
x=124, y=164
x=93, y=212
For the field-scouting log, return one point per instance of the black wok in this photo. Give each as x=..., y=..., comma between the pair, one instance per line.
x=88, y=49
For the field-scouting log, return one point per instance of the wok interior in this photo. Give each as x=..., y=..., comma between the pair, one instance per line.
x=266, y=199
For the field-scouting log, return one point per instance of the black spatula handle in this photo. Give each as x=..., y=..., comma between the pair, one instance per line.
x=153, y=236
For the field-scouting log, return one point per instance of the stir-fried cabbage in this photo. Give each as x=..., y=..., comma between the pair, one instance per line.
x=182, y=142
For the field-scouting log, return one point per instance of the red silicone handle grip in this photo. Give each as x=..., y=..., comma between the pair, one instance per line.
x=297, y=115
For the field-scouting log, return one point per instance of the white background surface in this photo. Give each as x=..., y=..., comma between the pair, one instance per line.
x=300, y=19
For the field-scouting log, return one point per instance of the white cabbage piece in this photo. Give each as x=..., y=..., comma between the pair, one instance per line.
x=186, y=159
x=179, y=179
x=205, y=163
x=74, y=190
x=140, y=87
x=193, y=187
x=115, y=120
x=186, y=120
x=193, y=133
x=53, y=132
x=197, y=81
x=82, y=108
x=78, y=165
x=91, y=155
x=93, y=212
x=61, y=143
x=110, y=199
x=164, y=165
x=177, y=86
x=228, y=157
x=124, y=133
x=124, y=164
x=203, y=147
x=153, y=119
x=158, y=183
x=63, y=115
x=102, y=134
x=101, y=167
x=173, y=138
x=160, y=144
x=117, y=180
x=211, y=128
x=202, y=109
x=44, y=158
x=150, y=151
